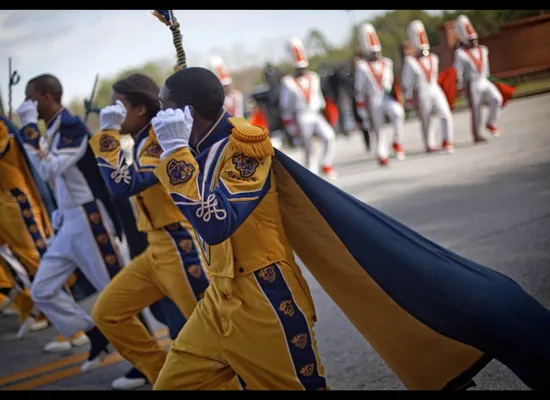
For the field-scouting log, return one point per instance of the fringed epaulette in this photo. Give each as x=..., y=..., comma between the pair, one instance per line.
x=153, y=135
x=4, y=134
x=252, y=141
x=3, y=129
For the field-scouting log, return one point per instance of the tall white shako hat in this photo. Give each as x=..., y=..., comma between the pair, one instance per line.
x=417, y=35
x=368, y=39
x=220, y=69
x=297, y=53
x=464, y=29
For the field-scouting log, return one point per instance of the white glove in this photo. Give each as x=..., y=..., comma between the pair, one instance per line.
x=50, y=240
x=57, y=219
x=28, y=112
x=127, y=147
x=112, y=117
x=173, y=128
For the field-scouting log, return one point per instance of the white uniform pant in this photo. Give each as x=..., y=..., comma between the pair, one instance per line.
x=314, y=123
x=84, y=241
x=481, y=90
x=431, y=99
x=379, y=108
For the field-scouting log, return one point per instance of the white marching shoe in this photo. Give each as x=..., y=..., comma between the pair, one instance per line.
x=31, y=325
x=132, y=380
x=94, y=363
x=9, y=312
x=60, y=344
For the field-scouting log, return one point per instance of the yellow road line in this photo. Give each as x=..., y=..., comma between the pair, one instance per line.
x=56, y=365
x=73, y=371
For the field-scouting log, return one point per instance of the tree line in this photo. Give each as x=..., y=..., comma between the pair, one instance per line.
x=390, y=26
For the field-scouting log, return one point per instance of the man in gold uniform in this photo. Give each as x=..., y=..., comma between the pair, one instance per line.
x=171, y=265
x=257, y=317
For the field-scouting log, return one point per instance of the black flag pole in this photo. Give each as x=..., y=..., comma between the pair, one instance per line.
x=89, y=103
x=14, y=79
x=2, y=110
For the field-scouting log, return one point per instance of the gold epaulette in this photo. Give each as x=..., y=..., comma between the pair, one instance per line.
x=153, y=136
x=4, y=135
x=250, y=140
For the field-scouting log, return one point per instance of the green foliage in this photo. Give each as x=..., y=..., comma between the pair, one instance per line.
x=487, y=22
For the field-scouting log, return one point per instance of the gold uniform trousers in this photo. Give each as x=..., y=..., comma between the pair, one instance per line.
x=257, y=325
x=170, y=266
x=22, y=300
x=21, y=229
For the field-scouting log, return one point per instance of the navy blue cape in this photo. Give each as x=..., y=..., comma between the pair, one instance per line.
x=435, y=317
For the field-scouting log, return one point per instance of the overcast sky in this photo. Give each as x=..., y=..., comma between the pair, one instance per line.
x=75, y=45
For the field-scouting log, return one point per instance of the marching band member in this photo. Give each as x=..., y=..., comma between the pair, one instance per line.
x=472, y=72
x=258, y=292
x=374, y=85
x=420, y=85
x=88, y=220
x=302, y=103
x=234, y=103
x=171, y=265
x=25, y=207
x=252, y=207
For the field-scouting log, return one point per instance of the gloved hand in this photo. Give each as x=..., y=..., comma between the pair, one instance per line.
x=112, y=117
x=57, y=219
x=28, y=112
x=173, y=129
x=50, y=240
x=127, y=147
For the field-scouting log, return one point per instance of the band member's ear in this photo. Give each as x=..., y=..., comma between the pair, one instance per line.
x=141, y=110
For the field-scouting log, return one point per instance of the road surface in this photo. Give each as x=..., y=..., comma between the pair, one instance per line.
x=488, y=202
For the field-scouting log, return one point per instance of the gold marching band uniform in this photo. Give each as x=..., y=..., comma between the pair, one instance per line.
x=171, y=265
x=24, y=222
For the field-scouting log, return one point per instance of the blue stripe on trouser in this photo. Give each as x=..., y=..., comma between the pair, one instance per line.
x=192, y=263
x=167, y=312
x=32, y=227
x=102, y=238
x=295, y=326
x=30, y=222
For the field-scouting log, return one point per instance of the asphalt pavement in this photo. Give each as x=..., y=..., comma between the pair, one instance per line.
x=488, y=202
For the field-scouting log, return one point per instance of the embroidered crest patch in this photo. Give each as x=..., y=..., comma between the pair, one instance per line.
x=179, y=171
x=154, y=150
x=245, y=166
x=108, y=143
x=30, y=133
